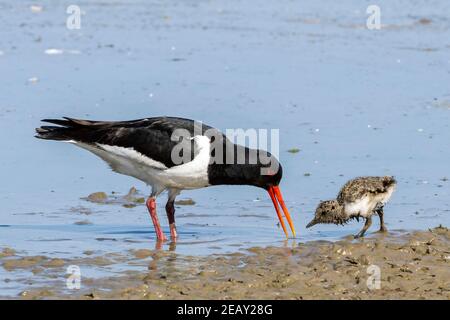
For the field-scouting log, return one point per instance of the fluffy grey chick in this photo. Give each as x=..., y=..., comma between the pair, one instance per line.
x=359, y=197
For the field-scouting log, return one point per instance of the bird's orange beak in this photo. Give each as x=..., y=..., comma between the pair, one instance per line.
x=275, y=195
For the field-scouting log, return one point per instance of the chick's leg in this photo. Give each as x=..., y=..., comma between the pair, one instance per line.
x=364, y=229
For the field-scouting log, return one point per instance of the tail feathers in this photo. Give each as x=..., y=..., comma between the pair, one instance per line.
x=71, y=122
x=60, y=122
x=52, y=133
x=71, y=129
x=65, y=129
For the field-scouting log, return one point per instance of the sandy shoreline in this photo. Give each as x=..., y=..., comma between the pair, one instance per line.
x=411, y=265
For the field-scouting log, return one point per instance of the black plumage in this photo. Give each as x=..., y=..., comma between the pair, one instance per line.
x=151, y=137
x=154, y=138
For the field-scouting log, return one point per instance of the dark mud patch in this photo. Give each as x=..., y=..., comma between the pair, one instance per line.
x=130, y=200
x=82, y=223
x=185, y=202
x=7, y=252
x=97, y=197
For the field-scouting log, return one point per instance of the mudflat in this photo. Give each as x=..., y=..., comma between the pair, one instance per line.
x=397, y=265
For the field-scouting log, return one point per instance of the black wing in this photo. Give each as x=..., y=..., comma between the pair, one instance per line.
x=153, y=137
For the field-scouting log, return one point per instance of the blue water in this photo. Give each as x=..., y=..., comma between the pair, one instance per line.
x=355, y=101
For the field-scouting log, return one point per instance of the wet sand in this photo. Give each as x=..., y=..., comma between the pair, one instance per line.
x=412, y=265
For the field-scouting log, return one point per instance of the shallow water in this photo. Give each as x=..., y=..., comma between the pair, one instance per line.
x=354, y=101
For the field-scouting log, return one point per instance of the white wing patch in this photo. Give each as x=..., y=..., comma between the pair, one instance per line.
x=127, y=161
x=132, y=154
x=124, y=165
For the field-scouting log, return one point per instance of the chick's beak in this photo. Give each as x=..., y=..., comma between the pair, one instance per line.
x=313, y=222
x=275, y=195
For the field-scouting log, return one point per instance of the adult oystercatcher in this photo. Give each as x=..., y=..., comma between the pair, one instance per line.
x=359, y=197
x=172, y=154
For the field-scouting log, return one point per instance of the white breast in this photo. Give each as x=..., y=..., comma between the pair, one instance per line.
x=194, y=174
x=363, y=207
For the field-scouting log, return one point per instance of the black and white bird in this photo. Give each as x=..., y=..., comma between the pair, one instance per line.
x=173, y=154
x=360, y=197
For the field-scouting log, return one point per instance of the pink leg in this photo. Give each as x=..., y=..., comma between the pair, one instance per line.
x=151, y=205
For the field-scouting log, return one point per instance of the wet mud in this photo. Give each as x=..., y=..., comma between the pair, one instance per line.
x=398, y=265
